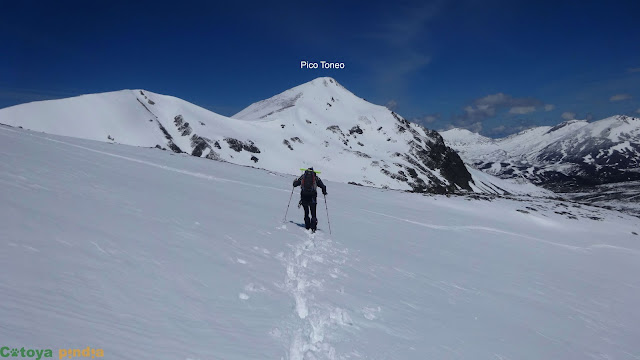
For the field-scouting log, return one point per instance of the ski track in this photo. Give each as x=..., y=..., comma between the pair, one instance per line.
x=149, y=163
x=498, y=231
x=481, y=228
x=315, y=322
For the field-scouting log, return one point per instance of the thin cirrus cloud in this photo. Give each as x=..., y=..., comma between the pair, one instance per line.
x=521, y=110
x=568, y=115
x=620, y=97
x=633, y=70
x=549, y=107
x=396, y=36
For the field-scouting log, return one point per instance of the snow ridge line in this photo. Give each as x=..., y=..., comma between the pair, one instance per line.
x=318, y=320
x=164, y=167
x=481, y=228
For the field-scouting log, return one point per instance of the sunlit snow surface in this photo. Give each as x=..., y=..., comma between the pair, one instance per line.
x=152, y=255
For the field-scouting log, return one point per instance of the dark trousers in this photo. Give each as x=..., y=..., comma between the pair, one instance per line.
x=309, y=203
x=308, y=207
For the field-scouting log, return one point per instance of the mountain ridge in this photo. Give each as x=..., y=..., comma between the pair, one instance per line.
x=317, y=123
x=562, y=157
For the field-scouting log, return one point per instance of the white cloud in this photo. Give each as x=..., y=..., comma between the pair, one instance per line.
x=521, y=110
x=638, y=111
x=567, y=115
x=475, y=127
x=430, y=118
x=503, y=130
x=392, y=104
x=549, y=107
x=480, y=112
x=620, y=97
x=447, y=127
x=427, y=119
x=494, y=99
x=491, y=105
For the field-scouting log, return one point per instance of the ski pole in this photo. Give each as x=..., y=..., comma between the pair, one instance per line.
x=285, y=214
x=325, y=206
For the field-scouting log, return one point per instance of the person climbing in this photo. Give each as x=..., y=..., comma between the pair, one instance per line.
x=309, y=182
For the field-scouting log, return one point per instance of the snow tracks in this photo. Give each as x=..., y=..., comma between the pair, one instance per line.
x=313, y=269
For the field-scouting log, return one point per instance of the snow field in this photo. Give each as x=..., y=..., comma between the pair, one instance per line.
x=149, y=254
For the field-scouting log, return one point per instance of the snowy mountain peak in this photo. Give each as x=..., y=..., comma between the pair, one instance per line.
x=626, y=119
x=323, y=92
x=324, y=81
x=461, y=132
x=464, y=136
x=319, y=122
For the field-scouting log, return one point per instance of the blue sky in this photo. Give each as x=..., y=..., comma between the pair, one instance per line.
x=490, y=66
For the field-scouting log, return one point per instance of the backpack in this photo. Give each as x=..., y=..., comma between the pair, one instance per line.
x=308, y=184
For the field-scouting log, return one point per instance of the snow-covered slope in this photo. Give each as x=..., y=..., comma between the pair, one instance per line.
x=319, y=123
x=148, y=254
x=573, y=153
x=131, y=117
x=489, y=184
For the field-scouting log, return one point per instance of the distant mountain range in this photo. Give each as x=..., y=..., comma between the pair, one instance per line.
x=319, y=123
x=567, y=157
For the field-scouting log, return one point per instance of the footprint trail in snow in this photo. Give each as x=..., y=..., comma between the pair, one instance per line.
x=311, y=267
